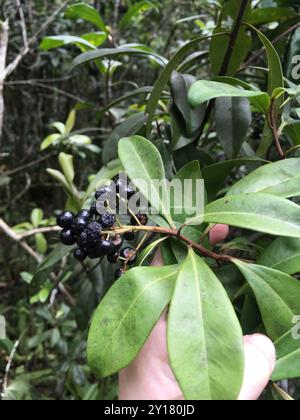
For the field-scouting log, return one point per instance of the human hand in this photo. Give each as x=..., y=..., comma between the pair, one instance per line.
x=150, y=377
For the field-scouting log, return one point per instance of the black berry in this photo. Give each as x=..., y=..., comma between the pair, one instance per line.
x=93, y=209
x=107, y=220
x=107, y=248
x=129, y=254
x=142, y=218
x=119, y=273
x=117, y=241
x=129, y=236
x=78, y=225
x=65, y=219
x=86, y=214
x=113, y=258
x=66, y=237
x=79, y=254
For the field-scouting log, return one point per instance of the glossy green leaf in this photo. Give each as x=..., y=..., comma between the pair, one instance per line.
x=41, y=243
x=36, y=217
x=149, y=251
x=274, y=62
x=45, y=268
x=204, y=90
x=51, y=42
x=279, y=178
x=233, y=118
x=264, y=15
x=204, y=336
x=288, y=354
x=86, y=12
x=128, y=127
x=51, y=140
x=126, y=317
x=137, y=9
x=143, y=163
x=113, y=52
x=283, y=255
x=70, y=123
x=191, y=119
x=188, y=199
x=219, y=46
x=277, y=295
x=67, y=166
x=259, y=212
x=262, y=103
x=216, y=173
x=164, y=79
x=58, y=176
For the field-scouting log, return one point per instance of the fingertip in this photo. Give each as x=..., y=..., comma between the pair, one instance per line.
x=260, y=357
x=218, y=234
x=265, y=345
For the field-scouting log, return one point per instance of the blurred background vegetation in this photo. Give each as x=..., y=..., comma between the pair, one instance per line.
x=47, y=327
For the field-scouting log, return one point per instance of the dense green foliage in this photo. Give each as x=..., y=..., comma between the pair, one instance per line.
x=187, y=94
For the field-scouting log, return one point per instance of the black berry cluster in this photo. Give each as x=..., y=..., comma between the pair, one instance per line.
x=90, y=231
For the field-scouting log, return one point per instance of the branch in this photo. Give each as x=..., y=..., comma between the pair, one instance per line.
x=15, y=63
x=175, y=234
x=33, y=232
x=23, y=23
x=274, y=41
x=224, y=68
x=19, y=239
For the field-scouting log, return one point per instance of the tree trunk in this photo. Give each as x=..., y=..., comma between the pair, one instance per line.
x=3, y=52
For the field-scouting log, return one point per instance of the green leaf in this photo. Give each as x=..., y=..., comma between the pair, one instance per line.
x=204, y=90
x=190, y=119
x=41, y=243
x=36, y=217
x=233, y=118
x=67, y=166
x=60, y=127
x=70, y=122
x=279, y=178
x=148, y=252
x=219, y=46
x=277, y=295
x=126, y=317
x=283, y=255
x=275, y=81
x=112, y=52
x=79, y=140
x=45, y=268
x=129, y=127
x=50, y=141
x=187, y=200
x=51, y=42
x=204, y=336
x=260, y=16
x=135, y=10
x=274, y=63
x=259, y=212
x=261, y=103
x=216, y=173
x=143, y=163
x=58, y=176
x=86, y=12
x=164, y=79
x=288, y=355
